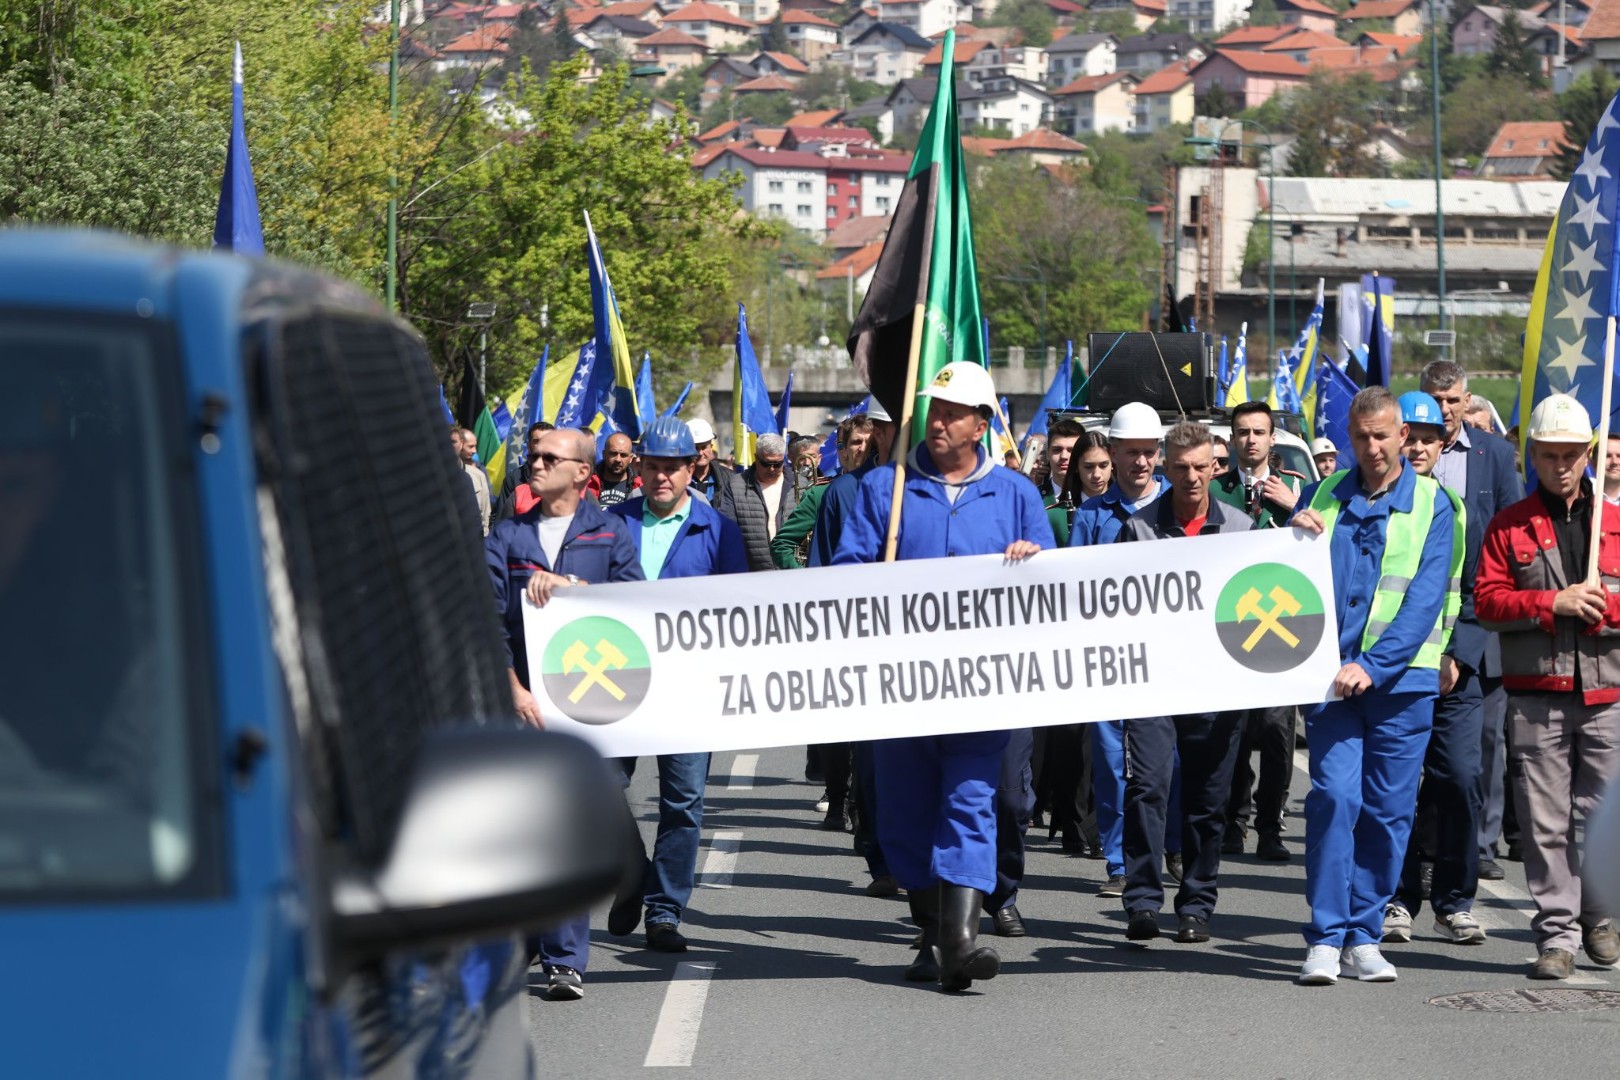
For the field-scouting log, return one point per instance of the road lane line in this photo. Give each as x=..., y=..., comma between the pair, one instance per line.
x=742, y=772
x=676, y=1034
x=722, y=860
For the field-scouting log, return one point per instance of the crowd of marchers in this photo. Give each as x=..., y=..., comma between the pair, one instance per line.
x=1476, y=703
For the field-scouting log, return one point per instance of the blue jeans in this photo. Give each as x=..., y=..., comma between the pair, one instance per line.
x=681, y=780
x=1366, y=760
x=1108, y=789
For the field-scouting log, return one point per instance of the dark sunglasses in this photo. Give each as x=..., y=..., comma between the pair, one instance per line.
x=1223, y=461
x=765, y=464
x=550, y=460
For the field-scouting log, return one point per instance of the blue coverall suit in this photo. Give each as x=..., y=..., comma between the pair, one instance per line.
x=1099, y=520
x=937, y=793
x=708, y=543
x=1366, y=752
x=597, y=548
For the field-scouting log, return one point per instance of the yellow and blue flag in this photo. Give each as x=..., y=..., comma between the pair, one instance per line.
x=1237, y=382
x=526, y=406
x=646, y=409
x=751, y=412
x=1057, y=397
x=1334, y=389
x=236, y=221
x=1577, y=293
x=575, y=407
x=1378, y=326
x=1307, y=353
x=680, y=401
x=784, y=404
x=613, y=381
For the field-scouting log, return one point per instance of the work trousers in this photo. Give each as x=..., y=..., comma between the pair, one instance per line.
x=1493, y=765
x=673, y=871
x=1067, y=776
x=1566, y=753
x=1448, y=805
x=865, y=837
x=936, y=798
x=1015, y=805
x=1366, y=760
x=1270, y=732
x=1207, y=744
x=1108, y=789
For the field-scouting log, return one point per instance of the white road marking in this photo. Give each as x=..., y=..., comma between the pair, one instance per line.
x=742, y=772
x=675, y=1037
x=722, y=860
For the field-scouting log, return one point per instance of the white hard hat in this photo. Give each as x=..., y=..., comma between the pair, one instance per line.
x=962, y=382
x=701, y=431
x=1322, y=446
x=875, y=410
x=1135, y=421
x=1559, y=418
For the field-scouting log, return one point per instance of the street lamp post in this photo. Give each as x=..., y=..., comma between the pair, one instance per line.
x=483, y=311
x=390, y=275
x=1439, y=210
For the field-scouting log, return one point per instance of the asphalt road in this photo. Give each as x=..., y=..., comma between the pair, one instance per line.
x=794, y=972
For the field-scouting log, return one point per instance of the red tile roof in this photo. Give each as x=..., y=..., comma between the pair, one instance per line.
x=491, y=38
x=702, y=157
x=803, y=18
x=790, y=62
x=1315, y=7
x=854, y=264
x=1042, y=139
x=769, y=137
x=965, y=52
x=1527, y=138
x=1401, y=43
x=671, y=37
x=1305, y=39
x=765, y=84
x=780, y=159
x=706, y=12
x=719, y=131
x=1378, y=9
x=1090, y=84
x=1159, y=6
x=1258, y=63
x=1166, y=80
x=1604, y=22
x=986, y=147
x=816, y=118
x=829, y=134
x=1250, y=37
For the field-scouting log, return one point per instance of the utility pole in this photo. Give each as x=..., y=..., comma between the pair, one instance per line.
x=390, y=276
x=1439, y=209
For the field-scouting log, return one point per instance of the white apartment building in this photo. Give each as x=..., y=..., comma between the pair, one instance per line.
x=783, y=184
x=927, y=17
x=1209, y=16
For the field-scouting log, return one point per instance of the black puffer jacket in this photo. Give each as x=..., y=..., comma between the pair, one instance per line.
x=750, y=515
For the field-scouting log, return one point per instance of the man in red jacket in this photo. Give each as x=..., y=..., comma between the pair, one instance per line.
x=1560, y=634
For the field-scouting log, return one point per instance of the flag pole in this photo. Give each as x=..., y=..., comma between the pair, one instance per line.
x=902, y=438
x=1592, y=577
x=1007, y=427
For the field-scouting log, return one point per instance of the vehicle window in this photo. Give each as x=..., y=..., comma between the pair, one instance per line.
x=100, y=680
x=1295, y=459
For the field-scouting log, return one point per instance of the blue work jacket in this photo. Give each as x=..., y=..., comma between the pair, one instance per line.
x=708, y=543
x=1099, y=519
x=1358, y=555
x=597, y=548
x=838, y=502
x=996, y=507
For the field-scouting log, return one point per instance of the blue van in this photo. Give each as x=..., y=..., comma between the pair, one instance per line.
x=264, y=807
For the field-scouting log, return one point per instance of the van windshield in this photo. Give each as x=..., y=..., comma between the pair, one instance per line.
x=99, y=671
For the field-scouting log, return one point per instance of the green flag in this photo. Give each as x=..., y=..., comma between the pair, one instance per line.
x=927, y=259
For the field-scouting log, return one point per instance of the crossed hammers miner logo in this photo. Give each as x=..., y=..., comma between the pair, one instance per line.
x=608, y=656
x=1283, y=604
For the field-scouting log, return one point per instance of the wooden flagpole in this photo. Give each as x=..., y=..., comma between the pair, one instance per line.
x=1005, y=426
x=902, y=438
x=1602, y=447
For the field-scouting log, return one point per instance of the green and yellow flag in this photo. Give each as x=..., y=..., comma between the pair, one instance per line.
x=927, y=259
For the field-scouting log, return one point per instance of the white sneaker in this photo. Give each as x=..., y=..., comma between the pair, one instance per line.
x=1397, y=924
x=823, y=804
x=1367, y=963
x=1321, y=966
x=1460, y=927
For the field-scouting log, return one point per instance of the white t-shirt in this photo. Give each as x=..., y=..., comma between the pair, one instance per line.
x=553, y=531
x=773, y=503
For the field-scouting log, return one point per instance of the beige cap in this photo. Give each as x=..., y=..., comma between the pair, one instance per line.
x=1559, y=418
x=962, y=382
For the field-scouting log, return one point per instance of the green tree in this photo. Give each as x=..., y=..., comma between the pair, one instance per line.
x=1264, y=13
x=1511, y=55
x=1482, y=104
x=776, y=39
x=516, y=229
x=1332, y=118
x=1032, y=17
x=1091, y=249
x=1580, y=107
x=1216, y=102
x=1122, y=24
x=537, y=42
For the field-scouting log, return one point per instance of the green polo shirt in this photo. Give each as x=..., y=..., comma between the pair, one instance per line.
x=658, y=536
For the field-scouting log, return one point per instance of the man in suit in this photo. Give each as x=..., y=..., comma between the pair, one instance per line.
x=1480, y=468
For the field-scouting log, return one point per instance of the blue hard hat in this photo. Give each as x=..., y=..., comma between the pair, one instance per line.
x=1419, y=408
x=667, y=437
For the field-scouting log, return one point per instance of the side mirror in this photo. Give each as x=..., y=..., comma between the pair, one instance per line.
x=501, y=831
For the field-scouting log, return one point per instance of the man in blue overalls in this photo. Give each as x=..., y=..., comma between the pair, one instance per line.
x=1396, y=558
x=937, y=793
x=1133, y=446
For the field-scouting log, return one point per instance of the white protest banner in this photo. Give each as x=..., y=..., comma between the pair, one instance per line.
x=1233, y=621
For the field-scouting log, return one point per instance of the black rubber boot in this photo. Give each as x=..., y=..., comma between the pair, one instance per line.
x=925, y=913
x=961, y=958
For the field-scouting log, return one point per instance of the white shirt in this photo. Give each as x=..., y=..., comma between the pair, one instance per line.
x=553, y=531
x=773, y=503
